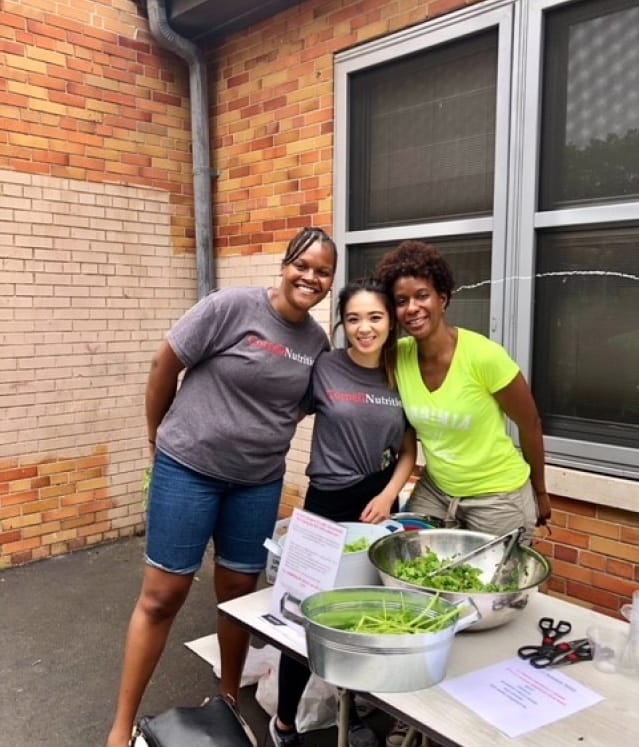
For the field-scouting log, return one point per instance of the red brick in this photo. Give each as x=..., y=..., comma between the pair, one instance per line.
x=604, y=599
x=18, y=473
x=567, y=554
x=571, y=571
x=20, y=558
x=439, y=7
x=567, y=537
x=557, y=584
x=19, y=499
x=21, y=546
x=614, y=584
x=618, y=568
x=630, y=535
x=6, y=537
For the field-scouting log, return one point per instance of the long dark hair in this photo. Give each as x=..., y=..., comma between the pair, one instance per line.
x=388, y=359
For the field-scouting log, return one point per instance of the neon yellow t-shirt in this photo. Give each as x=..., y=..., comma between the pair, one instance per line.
x=461, y=427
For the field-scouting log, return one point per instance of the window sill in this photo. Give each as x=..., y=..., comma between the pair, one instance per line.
x=591, y=488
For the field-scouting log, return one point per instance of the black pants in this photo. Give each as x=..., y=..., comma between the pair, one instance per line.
x=339, y=505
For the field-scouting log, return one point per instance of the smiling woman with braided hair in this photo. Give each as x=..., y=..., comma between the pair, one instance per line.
x=218, y=443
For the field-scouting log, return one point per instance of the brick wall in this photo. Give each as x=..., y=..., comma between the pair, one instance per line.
x=273, y=115
x=90, y=285
x=594, y=552
x=97, y=262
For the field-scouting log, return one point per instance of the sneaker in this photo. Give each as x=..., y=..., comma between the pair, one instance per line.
x=360, y=735
x=283, y=738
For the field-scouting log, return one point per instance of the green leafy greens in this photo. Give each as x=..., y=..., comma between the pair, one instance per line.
x=390, y=620
x=463, y=578
x=363, y=543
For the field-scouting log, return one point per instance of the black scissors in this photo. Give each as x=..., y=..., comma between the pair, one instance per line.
x=568, y=652
x=551, y=633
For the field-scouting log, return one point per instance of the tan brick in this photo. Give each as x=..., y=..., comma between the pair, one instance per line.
x=41, y=529
x=591, y=560
x=617, y=550
x=593, y=526
x=39, y=506
x=57, y=537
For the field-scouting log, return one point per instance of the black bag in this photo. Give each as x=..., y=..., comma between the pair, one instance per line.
x=217, y=723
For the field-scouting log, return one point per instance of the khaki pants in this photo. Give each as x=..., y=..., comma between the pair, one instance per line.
x=496, y=513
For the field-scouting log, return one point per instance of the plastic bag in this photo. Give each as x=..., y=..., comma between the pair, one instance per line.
x=258, y=660
x=318, y=706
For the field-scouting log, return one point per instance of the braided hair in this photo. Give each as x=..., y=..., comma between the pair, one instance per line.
x=303, y=239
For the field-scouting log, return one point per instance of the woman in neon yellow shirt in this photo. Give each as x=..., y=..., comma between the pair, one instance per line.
x=457, y=387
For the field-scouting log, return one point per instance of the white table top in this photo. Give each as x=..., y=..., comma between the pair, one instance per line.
x=614, y=722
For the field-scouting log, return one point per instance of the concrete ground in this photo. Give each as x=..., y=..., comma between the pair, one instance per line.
x=63, y=623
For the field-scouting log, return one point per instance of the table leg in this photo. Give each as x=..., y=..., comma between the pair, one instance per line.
x=410, y=737
x=342, y=724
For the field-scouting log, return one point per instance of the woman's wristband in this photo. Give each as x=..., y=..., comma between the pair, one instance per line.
x=151, y=441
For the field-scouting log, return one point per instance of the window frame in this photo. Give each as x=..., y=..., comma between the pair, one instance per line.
x=609, y=459
x=515, y=220
x=454, y=26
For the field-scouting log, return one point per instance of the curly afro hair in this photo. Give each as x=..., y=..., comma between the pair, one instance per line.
x=416, y=259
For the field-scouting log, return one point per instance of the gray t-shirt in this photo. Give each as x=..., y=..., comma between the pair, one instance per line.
x=236, y=411
x=358, y=418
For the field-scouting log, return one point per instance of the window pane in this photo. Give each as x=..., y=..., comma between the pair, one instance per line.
x=590, y=115
x=586, y=348
x=469, y=259
x=422, y=135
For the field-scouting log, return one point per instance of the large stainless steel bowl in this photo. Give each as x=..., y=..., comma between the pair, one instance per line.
x=376, y=662
x=529, y=568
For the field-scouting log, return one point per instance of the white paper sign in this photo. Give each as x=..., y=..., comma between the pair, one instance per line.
x=517, y=698
x=312, y=553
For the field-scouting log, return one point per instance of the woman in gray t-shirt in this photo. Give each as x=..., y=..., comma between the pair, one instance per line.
x=219, y=442
x=362, y=453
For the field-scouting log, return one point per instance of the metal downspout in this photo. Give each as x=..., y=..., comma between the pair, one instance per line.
x=202, y=193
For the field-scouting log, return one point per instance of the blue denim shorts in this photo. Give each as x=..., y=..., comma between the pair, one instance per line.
x=186, y=509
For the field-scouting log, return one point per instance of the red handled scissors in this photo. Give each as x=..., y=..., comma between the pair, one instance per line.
x=551, y=632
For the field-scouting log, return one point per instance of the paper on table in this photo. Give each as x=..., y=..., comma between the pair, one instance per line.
x=517, y=698
x=311, y=556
